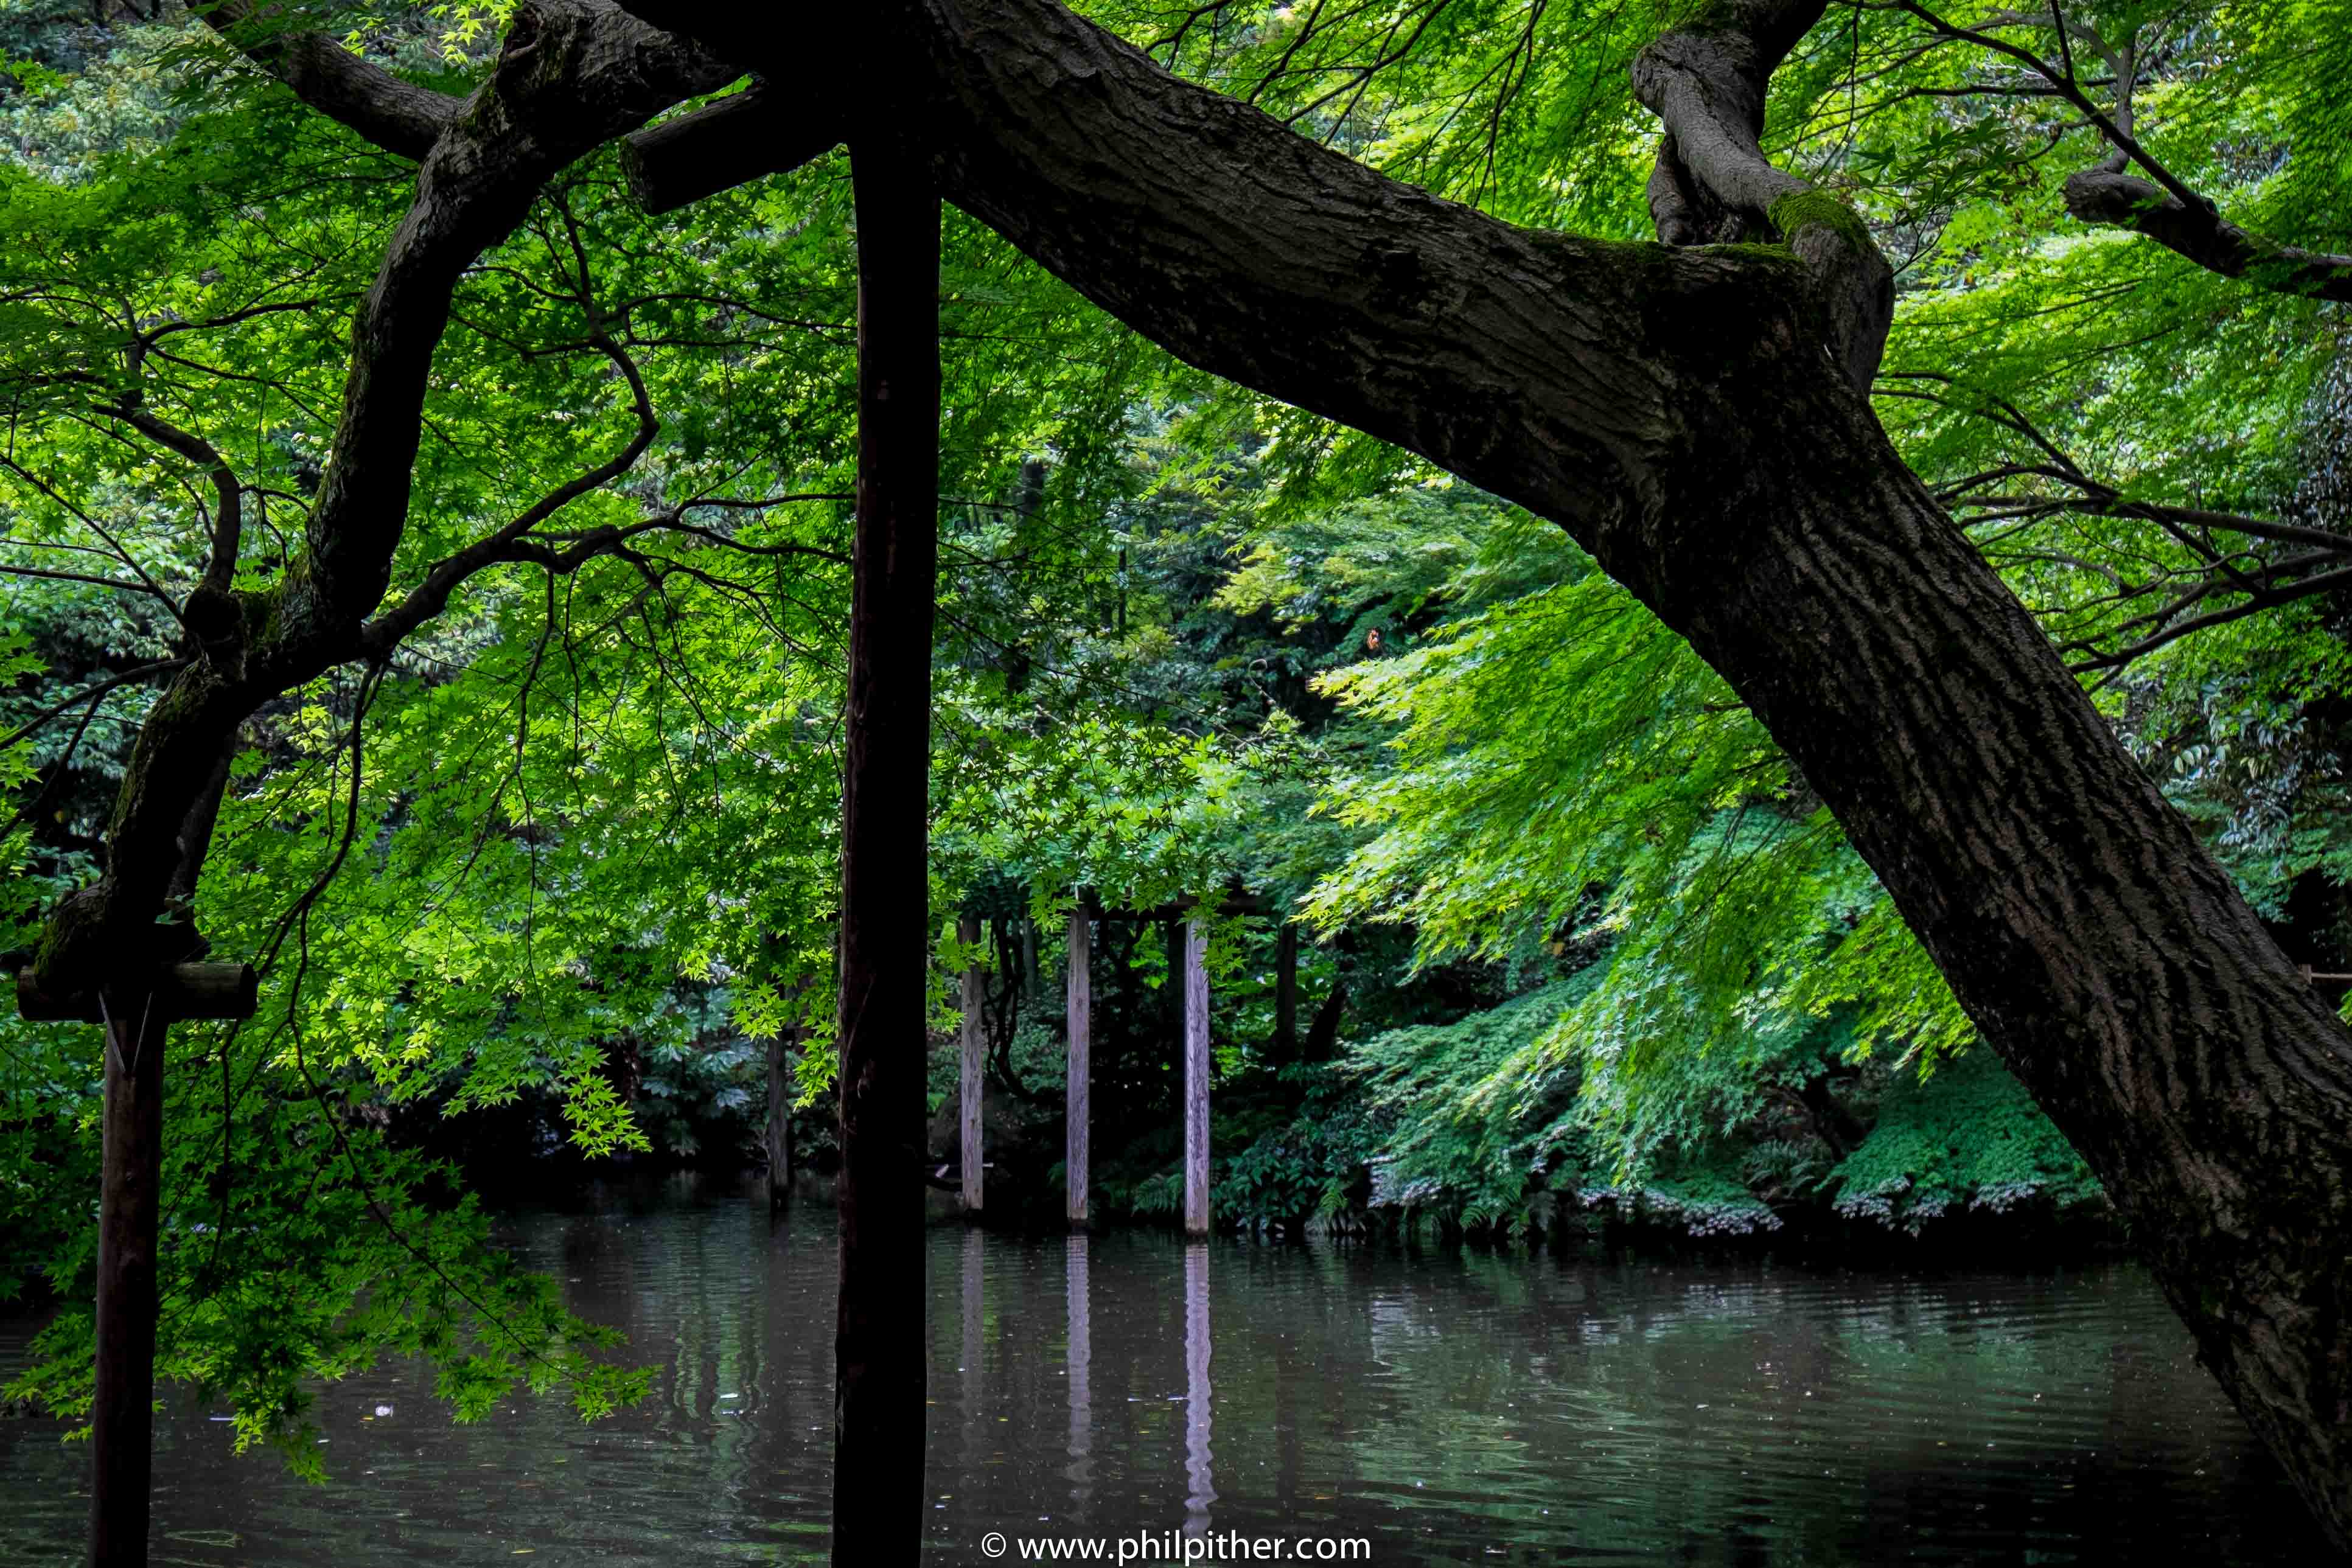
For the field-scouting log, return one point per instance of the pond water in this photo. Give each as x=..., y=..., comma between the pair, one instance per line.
x=1443, y=1405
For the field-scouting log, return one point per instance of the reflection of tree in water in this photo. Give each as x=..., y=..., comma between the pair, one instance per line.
x=1441, y=1404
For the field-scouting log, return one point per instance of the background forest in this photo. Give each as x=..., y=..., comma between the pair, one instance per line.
x=539, y=882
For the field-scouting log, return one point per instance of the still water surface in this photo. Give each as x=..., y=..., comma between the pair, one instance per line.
x=1447, y=1405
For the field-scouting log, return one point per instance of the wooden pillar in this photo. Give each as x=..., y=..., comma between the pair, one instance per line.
x=1196, y=1079
x=121, y=1420
x=136, y=1019
x=886, y=928
x=1077, y=1107
x=1285, y=988
x=970, y=1088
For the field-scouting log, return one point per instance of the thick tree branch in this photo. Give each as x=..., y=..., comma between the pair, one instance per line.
x=1712, y=181
x=2197, y=231
x=1219, y=232
x=740, y=138
x=397, y=116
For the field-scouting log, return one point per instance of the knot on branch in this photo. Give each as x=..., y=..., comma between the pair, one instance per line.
x=214, y=616
x=1713, y=184
x=2106, y=196
x=566, y=61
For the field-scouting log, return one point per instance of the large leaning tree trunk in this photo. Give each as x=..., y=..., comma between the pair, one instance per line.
x=1693, y=417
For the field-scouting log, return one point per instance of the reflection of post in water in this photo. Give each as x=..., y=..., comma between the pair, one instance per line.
x=973, y=1391
x=1199, y=1482
x=1080, y=1355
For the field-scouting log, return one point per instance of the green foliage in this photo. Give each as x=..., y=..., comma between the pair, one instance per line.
x=1968, y=1135
x=300, y=1246
x=1474, y=1121
x=1587, y=939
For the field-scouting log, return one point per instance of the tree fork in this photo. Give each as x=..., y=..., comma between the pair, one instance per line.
x=879, y=1417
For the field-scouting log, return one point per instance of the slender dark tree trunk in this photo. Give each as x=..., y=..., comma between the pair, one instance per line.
x=1323, y=1034
x=1285, y=990
x=122, y=1413
x=885, y=911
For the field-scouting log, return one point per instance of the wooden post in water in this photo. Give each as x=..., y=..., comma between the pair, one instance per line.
x=1077, y=1105
x=970, y=1088
x=885, y=925
x=121, y=1416
x=1196, y=1078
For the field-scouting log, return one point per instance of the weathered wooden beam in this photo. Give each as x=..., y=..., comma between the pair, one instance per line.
x=972, y=1038
x=1234, y=899
x=1078, y=1109
x=726, y=141
x=182, y=991
x=1196, y=1078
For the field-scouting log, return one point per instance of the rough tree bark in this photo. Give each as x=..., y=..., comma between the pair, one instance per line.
x=877, y=1511
x=1688, y=415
